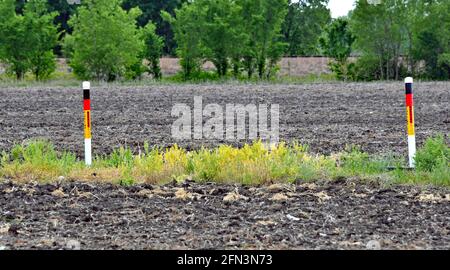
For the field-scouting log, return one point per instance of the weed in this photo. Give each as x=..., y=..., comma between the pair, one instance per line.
x=255, y=163
x=435, y=153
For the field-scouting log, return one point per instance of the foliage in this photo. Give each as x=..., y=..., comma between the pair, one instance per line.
x=385, y=40
x=407, y=37
x=337, y=43
x=27, y=41
x=151, y=12
x=432, y=164
x=264, y=47
x=338, y=40
x=303, y=25
x=186, y=26
x=444, y=63
x=432, y=43
x=433, y=154
x=153, y=49
x=221, y=32
x=42, y=36
x=243, y=34
x=367, y=68
x=106, y=43
x=36, y=160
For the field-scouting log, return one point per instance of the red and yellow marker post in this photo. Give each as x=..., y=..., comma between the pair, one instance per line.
x=410, y=121
x=87, y=123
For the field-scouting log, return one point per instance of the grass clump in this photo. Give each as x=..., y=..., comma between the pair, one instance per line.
x=434, y=154
x=36, y=160
x=432, y=164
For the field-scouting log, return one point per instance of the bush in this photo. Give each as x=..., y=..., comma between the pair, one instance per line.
x=444, y=63
x=343, y=70
x=367, y=68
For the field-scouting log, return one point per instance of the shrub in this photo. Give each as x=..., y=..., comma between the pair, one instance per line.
x=444, y=63
x=367, y=68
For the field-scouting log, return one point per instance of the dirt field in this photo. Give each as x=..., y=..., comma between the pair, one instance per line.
x=325, y=116
x=339, y=215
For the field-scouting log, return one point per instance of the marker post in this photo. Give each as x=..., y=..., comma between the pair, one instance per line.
x=87, y=123
x=410, y=121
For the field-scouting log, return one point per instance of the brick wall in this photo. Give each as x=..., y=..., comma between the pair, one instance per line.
x=290, y=66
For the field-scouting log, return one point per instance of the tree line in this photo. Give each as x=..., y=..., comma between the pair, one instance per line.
x=123, y=39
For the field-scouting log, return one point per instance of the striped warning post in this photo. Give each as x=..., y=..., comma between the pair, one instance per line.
x=410, y=121
x=87, y=123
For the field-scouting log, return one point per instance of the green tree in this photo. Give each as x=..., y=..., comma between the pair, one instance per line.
x=304, y=23
x=432, y=44
x=13, y=40
x=241, y=33
x=221, y=32
x=42, y=36
x=187, y=26
x=402, y=37
x=27, y=41
x=337, y=43
x=151, y=12
x=262, y=23
x=65, y=11
x=153, y=49
x=379, y=34
x=106, y=43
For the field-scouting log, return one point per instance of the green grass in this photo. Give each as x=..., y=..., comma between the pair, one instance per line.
x=253, y=164
x=61, y=79
x=432, y=163
x=65, y=79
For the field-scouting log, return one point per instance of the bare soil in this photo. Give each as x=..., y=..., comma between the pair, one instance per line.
x=325, y=116
x=332, y=215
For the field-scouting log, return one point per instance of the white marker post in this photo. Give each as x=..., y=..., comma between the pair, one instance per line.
x=87, y=123
x=410, y=119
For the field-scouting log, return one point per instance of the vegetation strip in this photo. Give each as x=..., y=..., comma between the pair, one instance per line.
x=251, y=165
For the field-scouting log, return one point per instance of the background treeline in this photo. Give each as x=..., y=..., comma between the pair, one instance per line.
x=115, y=39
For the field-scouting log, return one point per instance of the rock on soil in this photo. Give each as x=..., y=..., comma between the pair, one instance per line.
x=195, y=216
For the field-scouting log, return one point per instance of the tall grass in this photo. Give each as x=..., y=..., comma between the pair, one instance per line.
x=252, y=164
x=432, y=164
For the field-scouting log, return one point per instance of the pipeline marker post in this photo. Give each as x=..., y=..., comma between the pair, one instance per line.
x=410, y=121
x=87, y=123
